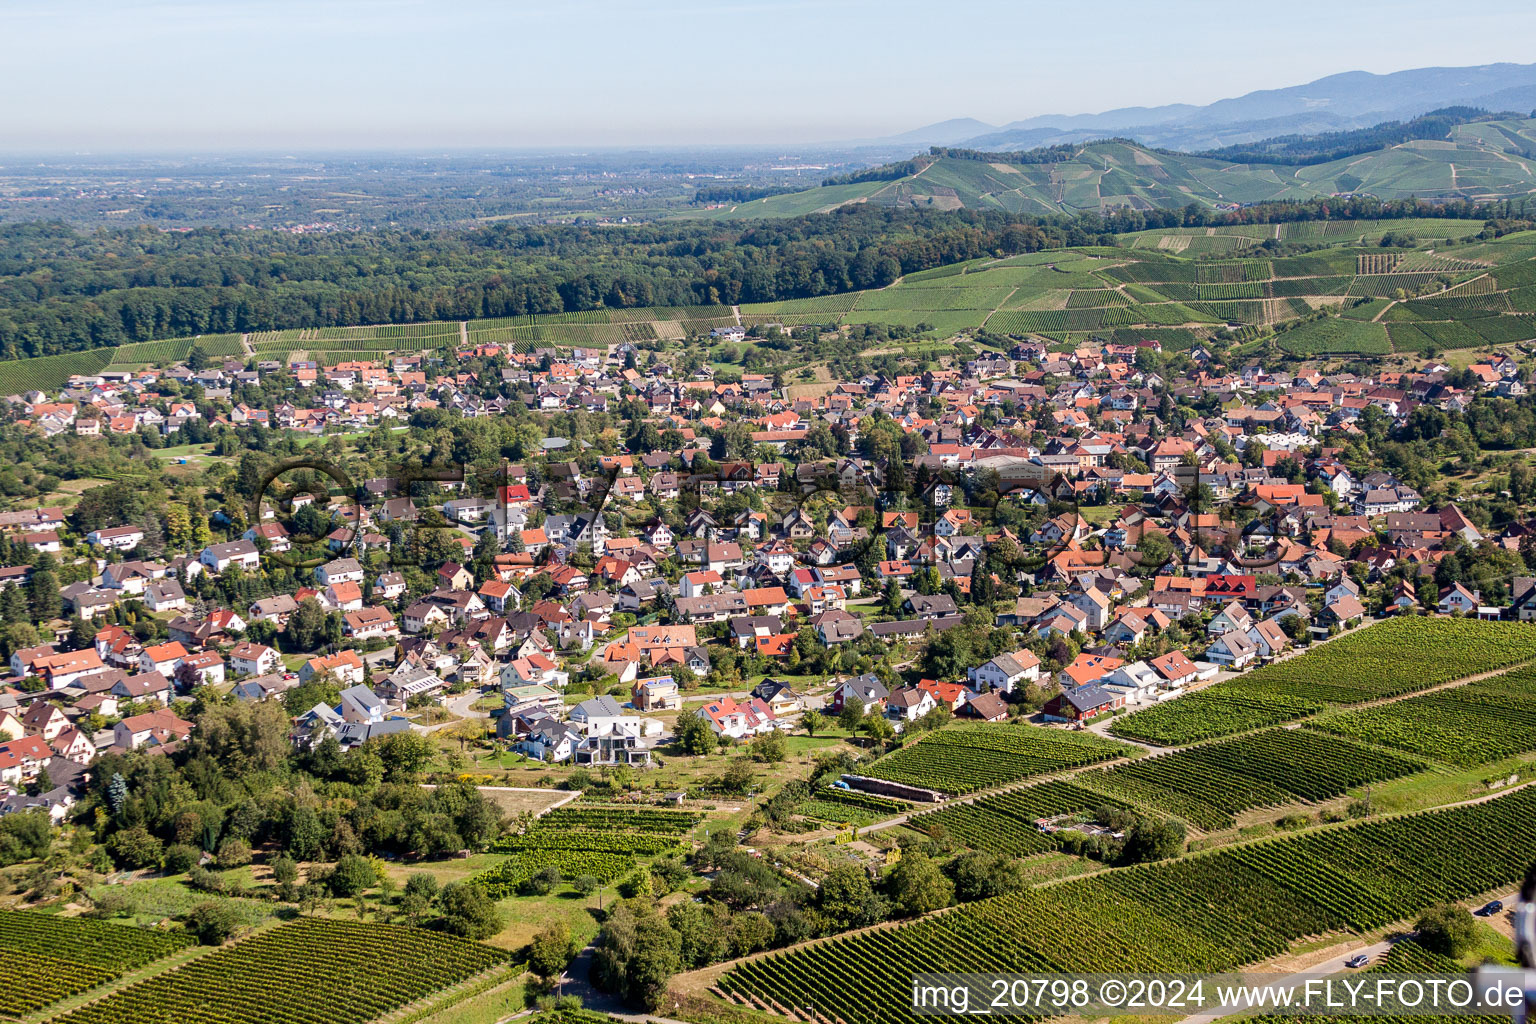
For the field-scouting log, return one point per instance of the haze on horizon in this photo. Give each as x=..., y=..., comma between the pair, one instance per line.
x=156, y=75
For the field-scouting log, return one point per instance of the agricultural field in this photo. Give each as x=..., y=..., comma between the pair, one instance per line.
x=1335, y=335
x=624, y=819
x=964, y=759
x=1209, y=785
x=311, y=970
x=1218, y=710
x=1006, y=822
x=1465, y=726
x=604, y=842
x=841, y=806
x=50, y=958
x=49, y=373
x=1210, y=912
x=1398, y=656
x=142, y=354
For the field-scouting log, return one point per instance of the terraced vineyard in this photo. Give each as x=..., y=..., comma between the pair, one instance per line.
x=49, y=373
x=1006, y=823
x=1211, y=912
x=840, y=805
x=604, y=842
x=48, y=958
x=967, y=758
x=1398, y=656
x=506, y=878
x=1209, y=785
x=1466, y=726
x=636, y=819
x=311, y=971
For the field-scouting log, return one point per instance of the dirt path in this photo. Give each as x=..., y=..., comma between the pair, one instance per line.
x=464, y=334
x=246, y=348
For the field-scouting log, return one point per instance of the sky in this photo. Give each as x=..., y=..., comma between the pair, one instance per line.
x=102, y=76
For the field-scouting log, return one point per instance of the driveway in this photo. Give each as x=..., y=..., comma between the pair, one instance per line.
x=459, y=705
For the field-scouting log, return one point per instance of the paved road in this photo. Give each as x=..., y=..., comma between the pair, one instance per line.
x=1336, y=965
x=458, y=705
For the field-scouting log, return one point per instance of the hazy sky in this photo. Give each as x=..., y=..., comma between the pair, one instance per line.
x=96, y=75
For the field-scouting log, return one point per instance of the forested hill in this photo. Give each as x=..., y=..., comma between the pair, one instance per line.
x=62, y=290
x=1446, y=154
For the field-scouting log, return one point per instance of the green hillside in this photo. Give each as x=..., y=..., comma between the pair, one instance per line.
x=1354, y=297
x=1479, y=161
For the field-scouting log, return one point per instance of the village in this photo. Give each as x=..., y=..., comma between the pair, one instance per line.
x=1111, y=533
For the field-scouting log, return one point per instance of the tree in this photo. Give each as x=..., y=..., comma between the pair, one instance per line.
x=656, y=956
x=770, y=747
x=813, y=720
x=738, y=777
x=848, y=899
x=180, y=858
x=694, y=736
x=469, y=912
x=305, y=626
x=1153, y=839
x=285, y=871
x=1447, y=929
x=749, y=932
x=405, y=755
x=980, y=874
x=917, y=886
x=851, y=714
x=135, y=847
x=244, y=737
x=879, y=728
x=551, y=951
x=233, y=853
x=213, y=921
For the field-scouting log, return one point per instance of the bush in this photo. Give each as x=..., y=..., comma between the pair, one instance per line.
x=637, y=884
x=203, y=880
x=541, y=882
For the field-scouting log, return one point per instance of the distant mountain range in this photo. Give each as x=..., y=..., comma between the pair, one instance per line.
x=1354, y=99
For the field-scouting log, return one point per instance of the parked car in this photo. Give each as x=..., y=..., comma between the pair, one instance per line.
x=1358, y=960
x=1490, y=909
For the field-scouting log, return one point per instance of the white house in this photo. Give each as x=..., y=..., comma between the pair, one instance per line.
x=218, y=557
x=908, y=703
x=1232, y=649
x=1006, y=671
x=1232, y=618
x=248, y=659
x=116, y=538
